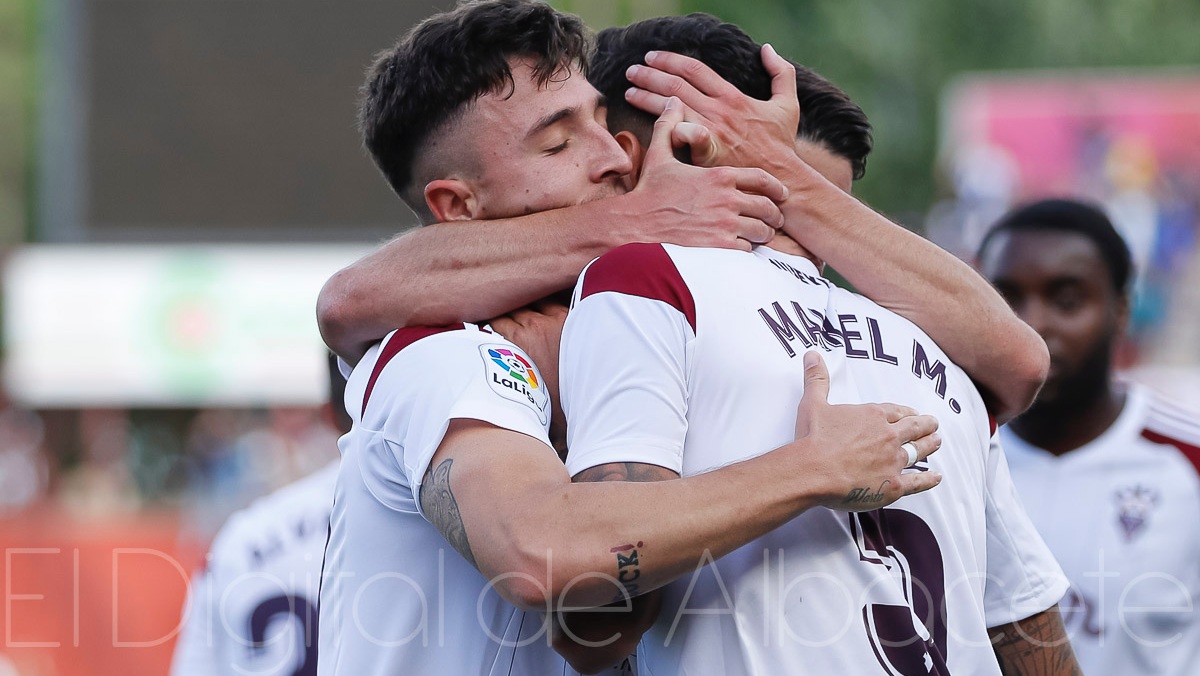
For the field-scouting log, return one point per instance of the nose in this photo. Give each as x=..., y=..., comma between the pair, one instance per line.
x=612, y=162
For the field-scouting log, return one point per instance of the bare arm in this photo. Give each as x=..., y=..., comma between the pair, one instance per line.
x=507, y=505
x=1035, y=646
x=889, y=264
x=595, y=639
x=475, y=270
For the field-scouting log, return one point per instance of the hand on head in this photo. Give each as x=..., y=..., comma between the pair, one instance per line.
x=738, y=130
x=730, y=207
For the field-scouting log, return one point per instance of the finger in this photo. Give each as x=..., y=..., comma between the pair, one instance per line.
x=697, y=137
x=742, y=245
x=816, y=390
x=915, y=427
x=698, y=76
x=918, y=482
x=660, y=141
x=646, y=100
x=783, y=76
x=754, y=231
x=759, y=182
x=763, y=210
x=897, y=412
x=925, y=446
x=816, y=378
x=665, y=84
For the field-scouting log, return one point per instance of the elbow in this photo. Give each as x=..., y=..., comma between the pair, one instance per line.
x=521, y=577
x=524, y=590
x=542, y=576
x=1028, y=367
x=336, y=318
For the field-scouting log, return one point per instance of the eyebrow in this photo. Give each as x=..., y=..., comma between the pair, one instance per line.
x=549, y=120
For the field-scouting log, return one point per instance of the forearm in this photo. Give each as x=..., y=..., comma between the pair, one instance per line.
x=460, y=271
x=1035, y=646
x=642, y=536
x=927, y=285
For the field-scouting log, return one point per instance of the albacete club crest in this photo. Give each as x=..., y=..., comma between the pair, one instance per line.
x=1134, y=504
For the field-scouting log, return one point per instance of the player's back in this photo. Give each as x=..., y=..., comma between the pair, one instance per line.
x=830, y=592
x=254, y=610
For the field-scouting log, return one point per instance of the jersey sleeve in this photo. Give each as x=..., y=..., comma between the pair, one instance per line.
x=1023, y=577
x=422, y=380
x=624, y=361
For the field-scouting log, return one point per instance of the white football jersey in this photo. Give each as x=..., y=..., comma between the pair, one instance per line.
x=396, y=598
x=692, y=359
x=254, y=609
x=1120, y=513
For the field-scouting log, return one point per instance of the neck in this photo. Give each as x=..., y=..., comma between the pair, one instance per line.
x=1067, y=423
x=785, y=244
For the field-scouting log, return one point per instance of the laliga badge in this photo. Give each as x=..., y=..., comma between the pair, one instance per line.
x=512, y=375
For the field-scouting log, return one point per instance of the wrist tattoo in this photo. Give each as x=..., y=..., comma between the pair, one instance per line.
x=442, y=510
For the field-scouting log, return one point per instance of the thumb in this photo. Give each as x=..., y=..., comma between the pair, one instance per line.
x=782, y=72
x=660, y=142
x=816, y=390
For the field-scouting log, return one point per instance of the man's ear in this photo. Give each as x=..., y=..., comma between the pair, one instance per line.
x=635, y=150
x=450, y=199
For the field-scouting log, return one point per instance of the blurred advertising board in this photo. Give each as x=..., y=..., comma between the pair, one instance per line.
x=164, y=326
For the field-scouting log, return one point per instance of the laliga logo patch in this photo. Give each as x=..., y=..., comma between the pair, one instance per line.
x=513, y=376
x=1134, y=504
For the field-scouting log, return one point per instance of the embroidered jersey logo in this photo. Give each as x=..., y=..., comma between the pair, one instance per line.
x=513, y=376
x=1133, y=507
x=517, y=366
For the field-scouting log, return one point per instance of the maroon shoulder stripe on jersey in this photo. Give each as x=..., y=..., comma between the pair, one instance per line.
x=401, y=339
x=1190, y=451
x=644, y=270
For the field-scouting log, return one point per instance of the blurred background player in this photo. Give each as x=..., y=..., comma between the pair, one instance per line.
x=1107, y=469
x=253, y=610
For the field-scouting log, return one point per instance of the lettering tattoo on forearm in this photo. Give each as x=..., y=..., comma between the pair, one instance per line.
x=864, y=496
x=1035, y=646
x=441, y=509
x=627, y=570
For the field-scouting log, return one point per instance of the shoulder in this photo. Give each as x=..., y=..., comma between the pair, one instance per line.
x=1169, y=423
x=641, y=270
x=418, y=347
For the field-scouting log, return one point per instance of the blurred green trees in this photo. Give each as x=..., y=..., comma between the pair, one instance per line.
x=895, y=56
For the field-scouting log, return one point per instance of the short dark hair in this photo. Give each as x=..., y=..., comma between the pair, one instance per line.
x=827, y=115
x=447, y=62
x=1073, y=216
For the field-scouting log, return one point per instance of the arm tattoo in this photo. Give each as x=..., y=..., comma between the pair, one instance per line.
x=1035, y=646
x=441, y=509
